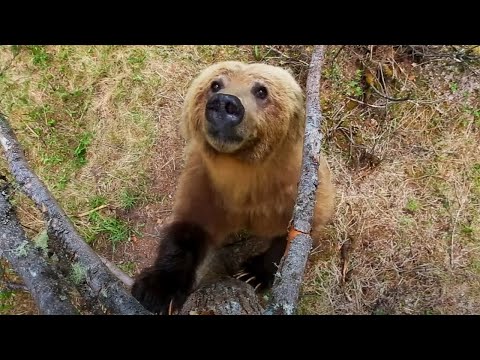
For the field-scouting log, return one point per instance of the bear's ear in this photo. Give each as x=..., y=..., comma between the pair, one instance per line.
x=187, y=110
x=297, y=124
x=184, y=128
x=290, y=71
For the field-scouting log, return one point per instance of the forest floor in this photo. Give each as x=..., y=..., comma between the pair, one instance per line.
x=99, y=125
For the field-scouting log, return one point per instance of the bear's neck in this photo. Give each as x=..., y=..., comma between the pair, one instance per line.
x=244, y=185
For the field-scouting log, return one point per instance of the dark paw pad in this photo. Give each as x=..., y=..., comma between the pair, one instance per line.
x=158, y=291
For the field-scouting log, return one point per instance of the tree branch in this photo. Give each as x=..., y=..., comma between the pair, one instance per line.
x=288, y=280
x=101, y=285
x=42, y=282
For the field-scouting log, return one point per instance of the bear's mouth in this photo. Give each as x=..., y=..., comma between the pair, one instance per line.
x=239, y=147
x=226, y=135
x=224, y=140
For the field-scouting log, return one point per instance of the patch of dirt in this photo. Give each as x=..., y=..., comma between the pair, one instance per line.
x=148, y=217
x=163, y=182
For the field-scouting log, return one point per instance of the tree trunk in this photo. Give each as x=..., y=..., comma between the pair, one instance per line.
x=289, y=277
x=226, y=296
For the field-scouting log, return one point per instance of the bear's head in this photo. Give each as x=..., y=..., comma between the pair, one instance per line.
x=244, y=110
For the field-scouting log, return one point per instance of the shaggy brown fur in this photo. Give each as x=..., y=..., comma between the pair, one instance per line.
x=232, y=186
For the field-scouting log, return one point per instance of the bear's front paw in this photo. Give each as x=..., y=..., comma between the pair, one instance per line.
x=160, y=292
x=257, y=273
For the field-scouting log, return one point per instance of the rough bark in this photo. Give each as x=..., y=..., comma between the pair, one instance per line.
x=289, y=277
x=43, y=283
x=100, y=282
x=226, y=296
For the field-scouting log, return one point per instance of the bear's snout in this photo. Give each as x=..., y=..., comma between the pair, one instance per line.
x=224, y=112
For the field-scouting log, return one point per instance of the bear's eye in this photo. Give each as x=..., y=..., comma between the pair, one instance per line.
x=216, y=86
x=260, y=92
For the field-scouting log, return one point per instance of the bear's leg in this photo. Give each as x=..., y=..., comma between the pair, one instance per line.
x=170, y=279
x=259, y=271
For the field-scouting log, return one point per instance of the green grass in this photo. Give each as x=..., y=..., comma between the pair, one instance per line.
x=80, y=152
x=115, y=229
x=111, y=228
x=97, y=201
x=128, y=199
x=58, y=127
x=475, y=176
x=6, y=300
x=413, y=205
x=453, y=87
x=354, y=86
x=467, y=229
x=40, y=57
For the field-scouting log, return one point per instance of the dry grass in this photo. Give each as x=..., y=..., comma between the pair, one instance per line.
x=100, y=128
x=406, y=231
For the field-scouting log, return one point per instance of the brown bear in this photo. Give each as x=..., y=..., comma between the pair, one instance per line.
x=244, y=126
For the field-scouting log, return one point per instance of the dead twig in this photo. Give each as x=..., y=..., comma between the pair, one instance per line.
x=388, y=97
x=92, y=211
x=14, y=286
x=270, y=48
x=369, y=105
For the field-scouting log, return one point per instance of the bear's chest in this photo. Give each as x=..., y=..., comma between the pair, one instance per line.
x=264, y=207
x=257, y=197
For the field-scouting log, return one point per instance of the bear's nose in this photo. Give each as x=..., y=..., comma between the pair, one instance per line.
x=224, y=110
